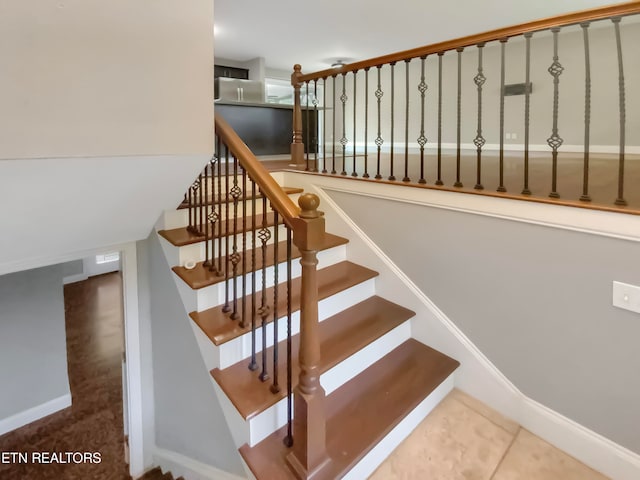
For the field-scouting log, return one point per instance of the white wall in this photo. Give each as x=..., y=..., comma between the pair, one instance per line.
x=33, y=347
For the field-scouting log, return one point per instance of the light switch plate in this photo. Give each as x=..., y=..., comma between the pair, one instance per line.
x=626, y=296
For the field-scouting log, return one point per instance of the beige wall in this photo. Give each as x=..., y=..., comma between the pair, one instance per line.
x=105, y=78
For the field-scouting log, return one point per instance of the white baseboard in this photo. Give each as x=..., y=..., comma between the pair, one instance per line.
x=182, y=466
x=35, y=413
x=589, y=447
x=78, y=277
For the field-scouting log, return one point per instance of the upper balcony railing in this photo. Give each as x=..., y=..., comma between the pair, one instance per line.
x=546, y=111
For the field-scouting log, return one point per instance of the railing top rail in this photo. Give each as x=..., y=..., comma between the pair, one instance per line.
x=258, y=173
x=618, y=10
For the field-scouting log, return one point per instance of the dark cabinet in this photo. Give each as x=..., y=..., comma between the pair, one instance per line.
x=230, y=72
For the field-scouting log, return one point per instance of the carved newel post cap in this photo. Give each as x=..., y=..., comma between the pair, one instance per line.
x=309, y=204
x=297, y=68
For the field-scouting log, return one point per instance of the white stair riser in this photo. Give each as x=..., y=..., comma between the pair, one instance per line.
x=180, y=218
x=240, y=348
x=268, y=421
x=214, y=295
x=196, y=251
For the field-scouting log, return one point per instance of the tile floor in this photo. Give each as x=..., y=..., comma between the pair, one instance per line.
x=462, y=439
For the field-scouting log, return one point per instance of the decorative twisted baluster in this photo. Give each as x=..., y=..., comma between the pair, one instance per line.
x=213, y=215
x=315, y=130
x=406, y=123
x=393, y=89
x=355, y=76
x=253, y=365
x=288, y=440
x=243, y=321
x=226, y=307
x=422, y=140
x=459, y=114
x=324, y=125
x=333, y=137
x=555, y=141
x=587, y=113
x=479, y=141
x=306, y=136
x=221, y=256
x=275, y=387
x=235, y=192
x=621, y=95
x=264, y=235
x=379, y=141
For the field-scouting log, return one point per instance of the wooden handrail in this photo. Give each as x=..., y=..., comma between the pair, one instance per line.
x=618, y=10
x=280, y=201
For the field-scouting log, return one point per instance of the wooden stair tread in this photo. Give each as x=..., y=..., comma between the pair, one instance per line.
x=287, y=190
x=200, y=276
x=362, y=411
x=331, y=280
x=341, y=336
x=181, y=236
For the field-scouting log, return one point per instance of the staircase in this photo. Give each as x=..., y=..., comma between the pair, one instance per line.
x=156, y=474
x=377, y=381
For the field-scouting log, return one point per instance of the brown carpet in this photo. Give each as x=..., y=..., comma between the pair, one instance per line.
x=94, y=422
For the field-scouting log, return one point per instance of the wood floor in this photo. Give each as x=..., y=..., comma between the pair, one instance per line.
x=94, y=422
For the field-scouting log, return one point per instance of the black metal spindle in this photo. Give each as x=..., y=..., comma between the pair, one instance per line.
x=191, y=207
x=555, y=141
x=226, y=307
x=253, y=365
x=213, y=216
x=503, y=46
x=422, y=140
x=355, y=76
x=459, y=111
x=343, y=140
x=527, y=103
x=200, y=205
x=366, y=122
x=406, y=122
x=288, y=440
x=391, y=176
x=243, y=320
x=379, y=141
x=587, y=113
x=207, y=176
x=219, y=235
x=236, y=191
x=275, y=387
x=264, y=234
x=306, y=135
x=324, y=125
x=479, y=141
x=333, y=137
x=439, y=179
x=621, y=95
x=314, y=143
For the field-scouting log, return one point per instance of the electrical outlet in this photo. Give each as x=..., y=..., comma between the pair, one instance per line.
x=626, y=296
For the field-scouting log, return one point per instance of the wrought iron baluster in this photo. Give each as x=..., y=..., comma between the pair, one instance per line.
x=288, y=440
x=366, y=122
x=503, y=46
x=206, y=263
x=333, y=137
x=587, y=113
x=459, y=111
x=213, y=216
x=379, y=141
x=226, y=308
x=422, y=140
x=621, y=95
x=200, y=205
x=391, y=176
x=343, y=140
x=324, y=124
x=439, y=179
x=235, y=256
x=243, y=320
x=406, y=122
x=479, y=141
x=191, y=203
x=315, y=130
x=275, y=387
x=220, y=270
x=355, y=76
x=264, y=234
x=527, y=103
x=306, y=138
x=253, y=365
x=554, y=141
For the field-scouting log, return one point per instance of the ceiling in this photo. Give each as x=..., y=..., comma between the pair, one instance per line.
x=316, y=34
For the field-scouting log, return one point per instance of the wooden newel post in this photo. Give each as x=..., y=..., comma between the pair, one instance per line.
x=297, y=147
x=309, y=451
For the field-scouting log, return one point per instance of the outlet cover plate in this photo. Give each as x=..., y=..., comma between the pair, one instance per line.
x=626, y=296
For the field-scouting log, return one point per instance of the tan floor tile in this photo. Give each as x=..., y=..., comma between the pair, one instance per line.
x=452, y=443
x=479, y=407
x=531, y=458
